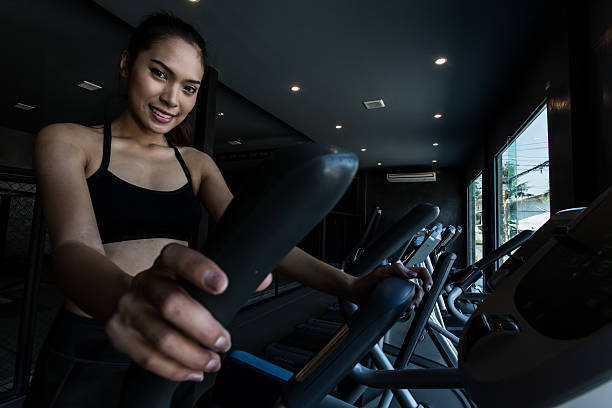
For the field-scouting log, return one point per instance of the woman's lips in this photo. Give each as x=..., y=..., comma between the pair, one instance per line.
x=160, y=116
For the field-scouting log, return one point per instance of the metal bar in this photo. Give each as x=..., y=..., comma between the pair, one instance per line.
x=28, y=314
x=405, y=399
x=385, y=399
x=447, y=353
x=5, y=209
x=424, y=311
x=444, y=332
x=452, y=297
x=414, y=378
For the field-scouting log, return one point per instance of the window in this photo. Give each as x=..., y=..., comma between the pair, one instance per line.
x=475, y=220
x=523, y=194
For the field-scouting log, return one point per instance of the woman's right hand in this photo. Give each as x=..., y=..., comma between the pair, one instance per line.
x=163, y=329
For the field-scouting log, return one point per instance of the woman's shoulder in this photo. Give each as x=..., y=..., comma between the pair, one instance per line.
x=195, y=157
x=87, y=139
x=71, y=132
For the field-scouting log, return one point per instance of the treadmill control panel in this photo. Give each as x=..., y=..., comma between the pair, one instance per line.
x=568, y=294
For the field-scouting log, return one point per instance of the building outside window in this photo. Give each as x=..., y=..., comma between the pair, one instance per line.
x=475, y=220
x=523, y=193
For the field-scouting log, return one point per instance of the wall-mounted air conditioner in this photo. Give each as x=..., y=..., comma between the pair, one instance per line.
x=412, y=177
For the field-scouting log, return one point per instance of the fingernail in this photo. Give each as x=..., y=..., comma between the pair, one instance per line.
x=195, y=377
x=412, y=307
x=214, y=281
x=222, y=344
x=412, y=273
x=428, y=288
x=213, y=365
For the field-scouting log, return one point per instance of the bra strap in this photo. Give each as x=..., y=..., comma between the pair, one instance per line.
x=182, y=162
x=106, y=150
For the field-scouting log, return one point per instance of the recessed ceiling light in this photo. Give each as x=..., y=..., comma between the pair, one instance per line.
x=194, y=1
x=379, y=163
x=379, y=103
x=23, y=106
x=220, y=114
x=295, y=88
x=434, y=161
x=363, y=149
x=438, y=115
x=436, y=144
x=338, y=126
x=90, y=86
x=441, y=61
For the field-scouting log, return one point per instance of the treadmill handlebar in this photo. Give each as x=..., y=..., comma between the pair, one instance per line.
x=451, y=241
x=394, y=238
x=350, y=344
x=467, y=276
x=376, y=214
x=289, y=194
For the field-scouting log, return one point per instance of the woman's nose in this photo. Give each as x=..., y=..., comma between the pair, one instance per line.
x=170, y=96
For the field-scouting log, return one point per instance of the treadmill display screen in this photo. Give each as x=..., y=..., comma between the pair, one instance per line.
x=568, y=294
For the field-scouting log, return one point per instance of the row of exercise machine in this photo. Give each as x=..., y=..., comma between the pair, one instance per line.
x=541, y=337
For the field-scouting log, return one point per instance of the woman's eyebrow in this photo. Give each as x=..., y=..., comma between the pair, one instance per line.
x=164, y=66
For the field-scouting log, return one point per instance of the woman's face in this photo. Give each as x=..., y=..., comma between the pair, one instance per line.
x=163, y=84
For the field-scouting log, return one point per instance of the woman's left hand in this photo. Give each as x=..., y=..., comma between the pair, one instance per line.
x=362, y=287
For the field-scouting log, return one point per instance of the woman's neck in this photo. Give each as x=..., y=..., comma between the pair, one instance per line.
x=127, y=126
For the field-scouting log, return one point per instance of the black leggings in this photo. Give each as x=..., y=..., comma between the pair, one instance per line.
x=78, y=367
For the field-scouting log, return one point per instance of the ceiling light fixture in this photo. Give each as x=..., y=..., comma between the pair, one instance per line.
x=434, y=161
x=379, y=103
x=441, y=61
x=90, y=86
x=379, y=163
x=295, y=88
x=338, y=126
x=438, y=115
x=194, y=1
x=23, y=106
x=363, y=149
x=234, y=142
x=436, y=144
x=220, y=114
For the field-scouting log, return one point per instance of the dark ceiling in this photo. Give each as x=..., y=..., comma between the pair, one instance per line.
x=340, y=52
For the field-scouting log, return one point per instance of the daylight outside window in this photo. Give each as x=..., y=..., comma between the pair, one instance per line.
x=475, y=220
x=523, y=194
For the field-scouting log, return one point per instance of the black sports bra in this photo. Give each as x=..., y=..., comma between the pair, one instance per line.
x=125, y=211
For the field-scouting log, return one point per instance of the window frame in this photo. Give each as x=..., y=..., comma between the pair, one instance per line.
x=472, y=223
x=497, y=159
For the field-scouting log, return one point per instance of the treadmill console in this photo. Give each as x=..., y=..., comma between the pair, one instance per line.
x=546, y=330
x=568, y=294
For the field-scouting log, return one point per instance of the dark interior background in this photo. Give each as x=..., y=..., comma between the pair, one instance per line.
x=505, y=59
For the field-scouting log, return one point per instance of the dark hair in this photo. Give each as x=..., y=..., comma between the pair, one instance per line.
x=158, y=27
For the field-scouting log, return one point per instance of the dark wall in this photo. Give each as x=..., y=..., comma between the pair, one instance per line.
x=600, y=48
x=396, y=199
x=569, y=67
x=16, y=148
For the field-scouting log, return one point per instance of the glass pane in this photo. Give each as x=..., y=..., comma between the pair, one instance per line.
x=524, y=194
x=475, y=219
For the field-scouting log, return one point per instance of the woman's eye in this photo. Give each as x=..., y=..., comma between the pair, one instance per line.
x=158, y=73
x=190, y=89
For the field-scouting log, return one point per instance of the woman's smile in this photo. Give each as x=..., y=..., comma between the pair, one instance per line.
x=161, y=116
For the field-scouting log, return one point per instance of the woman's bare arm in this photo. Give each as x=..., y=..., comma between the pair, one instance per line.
x=149, y=317
x=84, y=272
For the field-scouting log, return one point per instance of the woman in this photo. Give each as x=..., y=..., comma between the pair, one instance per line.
x=120, y=203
